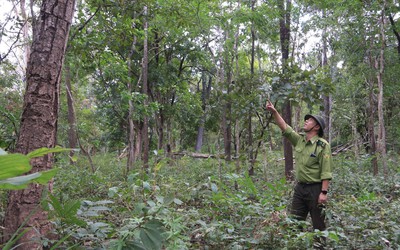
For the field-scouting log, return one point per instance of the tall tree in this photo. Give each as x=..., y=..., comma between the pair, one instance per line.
x=380, y=67
x=206, y=81
x=226, y=80
x=131, y=124
x=39, y=117
x=250, y=116
x=145, y=91
x=284, y=23
x=326, y=97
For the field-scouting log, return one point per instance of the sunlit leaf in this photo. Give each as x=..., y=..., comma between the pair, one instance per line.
x=13, y=165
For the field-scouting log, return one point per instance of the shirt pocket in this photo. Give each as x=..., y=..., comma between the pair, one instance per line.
x=312, y=162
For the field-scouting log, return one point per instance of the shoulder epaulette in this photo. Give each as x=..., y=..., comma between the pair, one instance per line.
x=321, y=143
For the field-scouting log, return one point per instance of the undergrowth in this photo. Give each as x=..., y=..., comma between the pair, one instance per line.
x=188, y=203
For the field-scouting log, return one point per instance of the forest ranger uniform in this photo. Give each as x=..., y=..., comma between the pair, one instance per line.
x=313, y=164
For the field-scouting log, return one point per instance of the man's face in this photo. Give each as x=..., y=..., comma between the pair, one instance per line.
x=310, y=124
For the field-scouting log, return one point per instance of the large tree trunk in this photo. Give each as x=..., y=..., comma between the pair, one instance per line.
x=39, y=117
x=287, y=146
x=285, y=9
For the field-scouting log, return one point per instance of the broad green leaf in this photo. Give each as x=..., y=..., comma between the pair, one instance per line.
x=46, y=176
x=151, y=235
x=44, y=151
x=333, y=236
x=20, y=182
x=13, y=165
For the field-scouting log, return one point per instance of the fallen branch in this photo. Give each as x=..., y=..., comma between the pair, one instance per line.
x=196, y=155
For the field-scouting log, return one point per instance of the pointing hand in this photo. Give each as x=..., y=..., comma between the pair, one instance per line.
x=270, y=107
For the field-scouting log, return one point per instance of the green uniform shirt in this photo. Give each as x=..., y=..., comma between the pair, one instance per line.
x=313, y=158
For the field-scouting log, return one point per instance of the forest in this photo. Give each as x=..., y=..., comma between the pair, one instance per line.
x=129, y=124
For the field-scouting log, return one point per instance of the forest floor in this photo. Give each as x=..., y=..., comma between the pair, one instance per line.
x=189, y=203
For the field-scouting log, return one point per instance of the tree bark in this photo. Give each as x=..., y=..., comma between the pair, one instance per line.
x=39, y=118
x=287, y=146
x=284, y=23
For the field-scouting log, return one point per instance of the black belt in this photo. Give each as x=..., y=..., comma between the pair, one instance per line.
x=309, y=183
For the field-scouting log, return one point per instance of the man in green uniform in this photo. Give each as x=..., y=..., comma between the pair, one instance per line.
x=313, y=167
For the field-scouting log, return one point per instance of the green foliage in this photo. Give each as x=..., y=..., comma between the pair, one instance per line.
x=184, y=204
x=14, y=165
x=10, y=104
x=66, y=213
x=76, y=221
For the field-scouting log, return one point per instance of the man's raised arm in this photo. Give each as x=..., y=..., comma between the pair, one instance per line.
x=277, y=117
